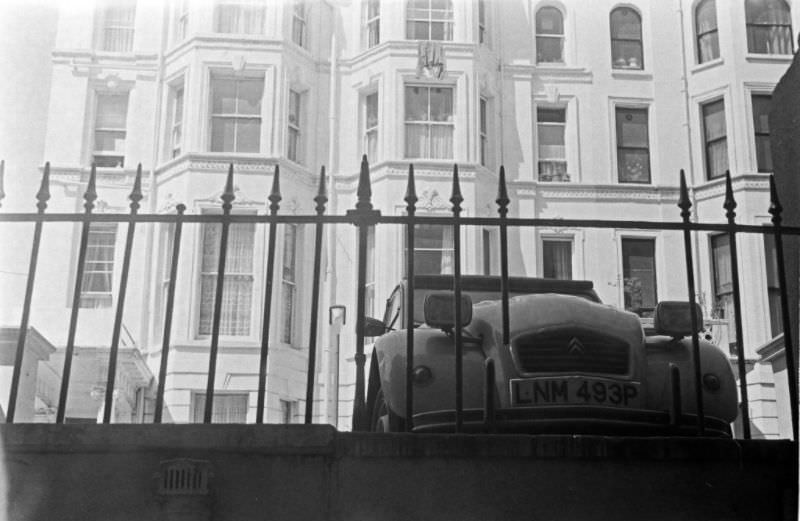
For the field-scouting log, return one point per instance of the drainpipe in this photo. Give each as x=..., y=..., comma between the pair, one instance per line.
x=151, y=178
x=688, y=125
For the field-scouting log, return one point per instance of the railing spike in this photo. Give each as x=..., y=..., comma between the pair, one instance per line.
x=730, y=202
x=775, y=207
x=456, y=197
x=43, y=195
x=364, y=191
x=275, y=193
x=91, y=190
x=136, y=192
x=322, y=196
x=684, y=202
x=411, y=189
x=502, y=192
x=2, y=174
x=227, y=194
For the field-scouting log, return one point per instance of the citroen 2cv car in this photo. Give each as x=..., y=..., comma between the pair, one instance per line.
x=573, y=365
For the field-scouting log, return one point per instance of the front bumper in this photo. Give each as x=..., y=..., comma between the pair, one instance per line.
x=571, y=420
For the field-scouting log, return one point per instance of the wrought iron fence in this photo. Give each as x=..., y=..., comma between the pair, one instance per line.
x=364, y=216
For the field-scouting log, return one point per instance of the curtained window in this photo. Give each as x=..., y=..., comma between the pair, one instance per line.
x=110, y=130
x=549, y=35
x=176, y=134
x=239, y=16
x=236, y=114
x=371, y=126
x=723, y=285
x=633, y=146
x=769, y=27
x=550, y=129
x=433, y=249
x=557, y=259
x=227, y=407
x=117, y=29
x=762, y=103
x=288, y=281
x=429, y=20
x=715, y=140
x=626, y=39
x=429, y=122
x=639, y=275
x=166, y=242
x=237, y=292
x=372, y=22
x=773, y=286
x=98, y=268
x=705, y=23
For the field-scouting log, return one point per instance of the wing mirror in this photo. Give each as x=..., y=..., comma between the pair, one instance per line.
x=373, y=327
x=440, y=310
x=674, y=318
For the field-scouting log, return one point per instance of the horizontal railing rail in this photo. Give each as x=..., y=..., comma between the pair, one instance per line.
x=364, y=216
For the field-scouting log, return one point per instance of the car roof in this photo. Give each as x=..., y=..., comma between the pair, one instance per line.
x=515, y=284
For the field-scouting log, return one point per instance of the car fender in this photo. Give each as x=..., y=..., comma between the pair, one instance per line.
x=435, y=350
x=665, y=351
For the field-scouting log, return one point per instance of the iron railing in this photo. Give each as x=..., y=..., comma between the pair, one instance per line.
x=364, y=216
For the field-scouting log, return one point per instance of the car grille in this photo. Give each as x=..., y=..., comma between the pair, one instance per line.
x=568, y=351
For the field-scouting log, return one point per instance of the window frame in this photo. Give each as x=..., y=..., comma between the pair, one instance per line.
x=707, y=144
x=772, y=285
x=483, y=130
x=447, y=20
x=552, y=240
x=559, y=177
x=750, y=25
x=549, y=36
x=108, y=24
x=372, y=23
x=701, y=36
x=180, y=16
x=642, y=311
x=294, y=132
x=615, y=65
x=483, y=25
x=370, y=133
x=177, y=113
x=244, y=9
x=198, y=408
x=98, y=153
x=619, y=146
x=104, y=298
x=719, y=310
x=299, y=23
x=759, y=134
x=289, y=285
x=429, y=123
x=235, y=115
x=445, y=248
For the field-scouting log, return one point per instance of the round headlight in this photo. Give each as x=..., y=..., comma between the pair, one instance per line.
x=711, y=382
x=422, y=375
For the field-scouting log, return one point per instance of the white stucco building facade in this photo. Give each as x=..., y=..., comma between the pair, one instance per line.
x=593, y=108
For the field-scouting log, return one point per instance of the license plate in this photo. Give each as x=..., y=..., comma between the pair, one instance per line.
x=574, y=391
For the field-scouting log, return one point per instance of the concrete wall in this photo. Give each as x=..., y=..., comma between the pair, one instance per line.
x=313, y=472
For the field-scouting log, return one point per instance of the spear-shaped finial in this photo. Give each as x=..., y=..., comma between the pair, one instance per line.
x=91, y=190
x=227, y=194
x=322, y=196
x=730, y=202
x=775, y=207
x=136, y=192
x=275, y=193
x=364, y=191
x=2, y=173
x=411, y=192
x=684, y=202
x=502, y=193
x=43, y=195
x=456, y=197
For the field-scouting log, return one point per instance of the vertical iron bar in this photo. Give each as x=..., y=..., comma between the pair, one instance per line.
x=320, y=199
x=363, y=217
x=676, y=400
x=457, y=199
x=90, y=196
x=274, y=199
x=173, y=273
x=135, y=197
x=730, y=206
x=776, y=210
x=227, y=198
x=42, y=196
x=685, y=204
x=411, y=209
x=502, y=209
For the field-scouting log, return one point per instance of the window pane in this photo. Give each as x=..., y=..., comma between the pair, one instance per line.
x=714, y=120
x=248, y=135
x=223, y=134
x=112, y=111
x=626, y=54
x=549, y=21
x=639, y=272
x=717, y=158
x=441, y=104
x=557, y=260
x=441, y=142
x=634, y=166
x=371, y=103
x=416, y=141
x=109, y=141
x=416, y=104
x=223, y=96
x=708, y=47
x=249, y=96
x=549, y=49
x=706, y=16
x=632, y=128
x=626, y=24
x=761, y=107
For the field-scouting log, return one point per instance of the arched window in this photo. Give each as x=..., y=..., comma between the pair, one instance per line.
x=769, y=27
x=549, y=35
x=705, y=25
x=626, y=39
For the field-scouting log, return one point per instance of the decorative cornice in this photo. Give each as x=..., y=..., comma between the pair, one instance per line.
x=745, y=182
x=661, y=194
x=108, y=177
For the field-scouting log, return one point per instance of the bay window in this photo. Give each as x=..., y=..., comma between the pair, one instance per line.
x=715, y=139
x=429, y=122
x=239, y=17
x=769, y=27
x=236, y=114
